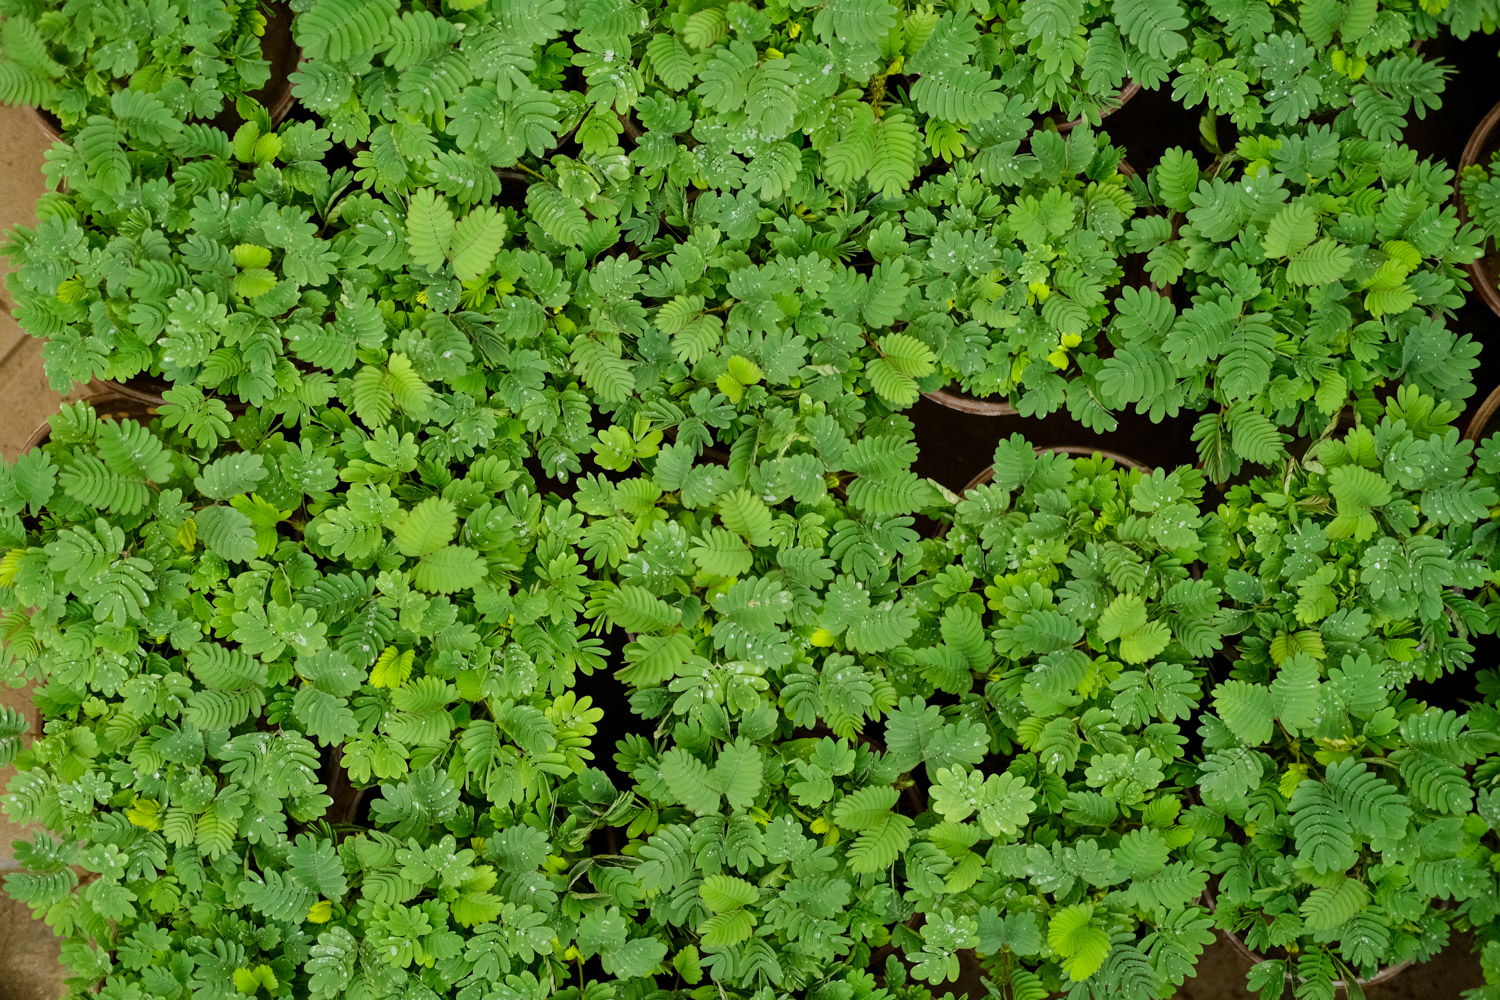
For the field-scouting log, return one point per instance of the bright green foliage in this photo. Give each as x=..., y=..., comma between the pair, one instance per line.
x=201, y=750
x=1015, y=255
x=1272, y=66
x=1358, y=552
x=1316, y=268
x=1347, y=819
x=1342, y=798
x=583, y=382
x=878, y=218
x=1089, y=639
x=263, y=275
x=72, y=59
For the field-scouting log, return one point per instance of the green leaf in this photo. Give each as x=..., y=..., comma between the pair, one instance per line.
x=430, y=229
x=377, y=393
x=1291, y=230
x=336, y=31
x=1007, y=802
x=721, y=552
x=724, y=930
x=324, y=716
x=1253, y=435
x=1325, y=840
x=689, y=780
x=316, y=865
x=13, y=725
x=1155, y=26
x=427, y=527
x=738, y=773
x=723, y=893
x=1358, y=491
x=1295, y=692
x=1125, y=619
x=247, y=255
x=476, y=240
x=747, y=516
x=671, y=60
x=894, y=157
x=34, y=478
x=231, y=475
x=219, y=711
x=865, y=808
x=1247, y=710
x=1082, y=943
x=1319, y=264
x=1374, y=805
x=1229, y=775
x=1326, y=907
x=963, y=94
x=854, y=22
x=1176, y=178
x=891, y=385
x=636, y=958
x=449, y=569
x=227, y=533
x=1245, y=368
x=879, y=846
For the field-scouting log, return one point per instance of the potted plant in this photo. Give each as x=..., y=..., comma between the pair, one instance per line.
x=805, y=832
x=786, y=563
x=1477, y=914
x=1017, y=258
x=1302, y=292
x=1280, y=71
x=206, y=604
x=460, y=98
x=769, y=658
x=1080, y=63
x=68, y=60
x=715, y=271
x=1338, y=797
x=1072, y=607
x=221, y=268
x=1479, y=202
x=299, y=286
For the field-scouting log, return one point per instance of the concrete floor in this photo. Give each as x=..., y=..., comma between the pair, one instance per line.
x=28, y=952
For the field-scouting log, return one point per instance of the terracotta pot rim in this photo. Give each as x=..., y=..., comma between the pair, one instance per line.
x=142, y=389
x=148, y=390
x=1482, y=416
x=1479, y=140
x=1121, y=98
x=954, y=399
x=38, y=437
x=106, y=404
x=1075, y=450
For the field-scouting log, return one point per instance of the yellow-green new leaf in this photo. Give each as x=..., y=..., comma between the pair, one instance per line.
x=1083, y=944
x=476, y=240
